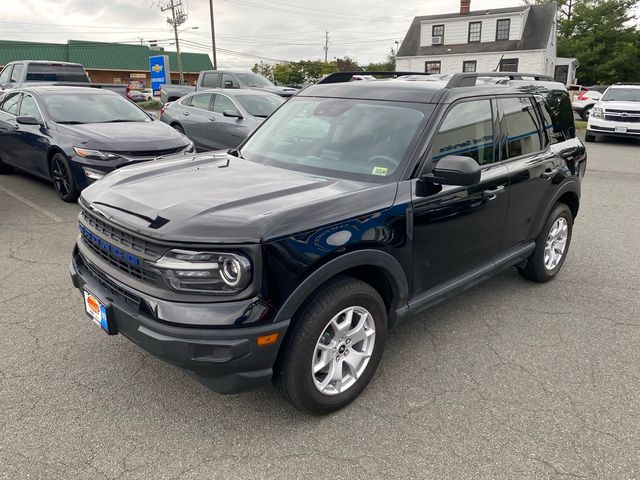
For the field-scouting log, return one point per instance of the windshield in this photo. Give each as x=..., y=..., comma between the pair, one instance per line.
x=353, y=139
x=253, y=80
x=92, y=108
x=622, y=95
x=37, y=72
x=260, y=105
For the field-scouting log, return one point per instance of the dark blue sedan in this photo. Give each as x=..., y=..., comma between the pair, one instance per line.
x=74, y=136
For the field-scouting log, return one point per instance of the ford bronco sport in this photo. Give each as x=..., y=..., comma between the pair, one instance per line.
x=354, y=206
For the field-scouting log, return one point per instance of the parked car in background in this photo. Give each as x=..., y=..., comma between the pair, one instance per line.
x=136, y=96
x=224, y=79
x=73, y=136
x=149, y=95
x=616, y=114
x=586, y=99
x=33, y=72
x=220, y=119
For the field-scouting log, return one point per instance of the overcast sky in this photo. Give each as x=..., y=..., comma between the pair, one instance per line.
x=245, y=29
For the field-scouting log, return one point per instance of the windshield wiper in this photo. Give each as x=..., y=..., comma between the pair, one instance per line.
x=120, y=120
x=261, y=116
x=71, y=122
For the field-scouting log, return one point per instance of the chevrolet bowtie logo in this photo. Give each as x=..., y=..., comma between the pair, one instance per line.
x=157, y=68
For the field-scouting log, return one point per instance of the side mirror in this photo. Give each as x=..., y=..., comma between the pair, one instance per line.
x=228, y=84
x=29, y=121
x=232, y=114
x=457, y=170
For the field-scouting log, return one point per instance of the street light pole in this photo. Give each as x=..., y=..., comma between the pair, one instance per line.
x=213, y=36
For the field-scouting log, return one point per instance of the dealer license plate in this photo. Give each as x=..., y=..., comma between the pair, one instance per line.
x=621, y=129
x=98, y=311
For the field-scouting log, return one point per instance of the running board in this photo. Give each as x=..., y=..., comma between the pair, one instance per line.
x=511, y=257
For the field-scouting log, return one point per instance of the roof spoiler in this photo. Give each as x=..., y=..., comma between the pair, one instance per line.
x=469, y=79
x=341, y=77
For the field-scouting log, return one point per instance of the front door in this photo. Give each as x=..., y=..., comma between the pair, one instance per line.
x=32, y=141
x=457, y=228
x=227, y=132
x=9, y=106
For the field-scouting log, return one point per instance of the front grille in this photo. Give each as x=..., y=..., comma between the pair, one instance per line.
x=152, y=153
x=128, y=243
x=622, y=116
x=106, y=283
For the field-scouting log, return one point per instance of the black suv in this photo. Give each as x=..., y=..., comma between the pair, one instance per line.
x=354, y=206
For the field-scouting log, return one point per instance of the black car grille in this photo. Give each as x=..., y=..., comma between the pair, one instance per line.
x=106, y=283
x=622, y=116
x=127, y=242
x=152, y=153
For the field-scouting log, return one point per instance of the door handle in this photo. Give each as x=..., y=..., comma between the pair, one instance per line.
x=548, y=173
x=493, y=192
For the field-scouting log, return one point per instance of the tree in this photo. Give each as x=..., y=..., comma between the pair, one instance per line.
x=347, y=64
x=389, y=65
x=282, y=73
x=263, y=69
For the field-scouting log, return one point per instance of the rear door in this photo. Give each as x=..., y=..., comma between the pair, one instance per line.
x=457, y=228
x=532, y=165
x=195, y=119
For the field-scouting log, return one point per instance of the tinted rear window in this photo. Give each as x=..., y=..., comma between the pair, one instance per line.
x=56, y=73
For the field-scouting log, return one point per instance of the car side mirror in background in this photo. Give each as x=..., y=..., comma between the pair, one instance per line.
x=228, y=84
x=456, y=170
x=232, y=114
x=29, y=121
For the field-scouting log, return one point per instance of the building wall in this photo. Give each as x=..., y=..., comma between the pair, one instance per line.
x=528, y=61
x=456, y=31
x=114, y=76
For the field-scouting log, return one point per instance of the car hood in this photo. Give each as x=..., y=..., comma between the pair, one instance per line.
x=125, y=137
x=282, y=91
x=627, y=106
x=219, y=198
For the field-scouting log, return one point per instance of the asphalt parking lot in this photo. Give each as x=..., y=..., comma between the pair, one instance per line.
x=509, y=380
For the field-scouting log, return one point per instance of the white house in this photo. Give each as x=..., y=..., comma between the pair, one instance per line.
x=517, y=39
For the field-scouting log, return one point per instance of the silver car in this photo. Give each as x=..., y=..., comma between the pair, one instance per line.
x=216, y=119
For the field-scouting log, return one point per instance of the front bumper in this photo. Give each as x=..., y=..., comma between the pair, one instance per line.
x=227, y=360
x=599, y=126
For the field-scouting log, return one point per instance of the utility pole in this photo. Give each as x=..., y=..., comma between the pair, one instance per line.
x=213, y=36
x=178, y=17
x=326, y=45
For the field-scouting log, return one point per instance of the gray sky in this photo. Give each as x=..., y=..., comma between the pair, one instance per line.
x=276, y=29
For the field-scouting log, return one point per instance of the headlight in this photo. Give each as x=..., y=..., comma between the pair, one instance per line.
x=189, y=149
x=597, y=112
x=205, y=272
x=94, y=154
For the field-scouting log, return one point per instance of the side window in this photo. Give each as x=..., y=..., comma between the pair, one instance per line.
x=211, y=80
x=186, y=101
x=229, y=81
x=522, y=125
x=553, y=133
x=16, y=75
x=5, y=75
x=10, y=103
x=201, y=101
x=29, y=107
x=223, y=103
x=467, y=130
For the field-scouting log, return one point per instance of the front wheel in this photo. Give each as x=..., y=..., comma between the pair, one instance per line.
x=334, y=347
x=62, y=178
x=5, y=168
x=585, y=113
x=552, y=246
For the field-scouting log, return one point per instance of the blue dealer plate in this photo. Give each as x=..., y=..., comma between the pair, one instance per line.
x=98, y=311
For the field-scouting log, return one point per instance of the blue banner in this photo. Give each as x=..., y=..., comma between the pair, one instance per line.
x=160, y=72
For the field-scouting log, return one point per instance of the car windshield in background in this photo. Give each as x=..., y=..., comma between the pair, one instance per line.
x=622, y=95
x=260, y=105
x=92, y=108
x=56, y=73
x=253, y=80
x=352, y=139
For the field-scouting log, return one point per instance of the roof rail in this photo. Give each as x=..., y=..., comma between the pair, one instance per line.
x=341, y=77
x=627, y=83
x=469, y=79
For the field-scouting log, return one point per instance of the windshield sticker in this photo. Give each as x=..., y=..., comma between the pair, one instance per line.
x=380, y=171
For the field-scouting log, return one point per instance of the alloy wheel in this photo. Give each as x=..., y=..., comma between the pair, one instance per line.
x=343, y=351
x=61, y=178
x=556, y=243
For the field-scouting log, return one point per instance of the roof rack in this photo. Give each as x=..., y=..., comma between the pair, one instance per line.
x=627, y=83
x=469, y=79
x=341, y=77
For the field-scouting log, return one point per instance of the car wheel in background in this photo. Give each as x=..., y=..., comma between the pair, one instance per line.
x=178, y=128
x=586, y=112
x=63, y=179
x=334, y=346
x=4, y=168
x=552, y=246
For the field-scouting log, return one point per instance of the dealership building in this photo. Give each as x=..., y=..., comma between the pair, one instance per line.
x=107, y=62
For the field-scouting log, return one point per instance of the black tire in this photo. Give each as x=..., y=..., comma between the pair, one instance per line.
x=178, y=128
x=63, y=181
x=535, y=270
x=589, y=138
x=293, y=373
x=4, y=168
x=585, y=113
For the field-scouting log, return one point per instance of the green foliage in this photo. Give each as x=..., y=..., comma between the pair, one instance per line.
x=150, y=105
x=389, y=65
x=263, y=69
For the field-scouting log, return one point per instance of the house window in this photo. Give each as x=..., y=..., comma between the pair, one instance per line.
x=432, y=67
x=502, y=29
x=469, y=66
x=437, y=31
x=475, y=32
x=509, y=65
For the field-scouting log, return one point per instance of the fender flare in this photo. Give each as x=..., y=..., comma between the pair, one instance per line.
x=570, y=186
x=376, y=258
